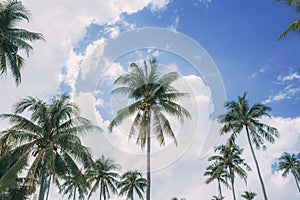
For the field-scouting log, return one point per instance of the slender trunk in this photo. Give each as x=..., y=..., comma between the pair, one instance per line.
x=257, y=167
x=220, y=189
x=232, y=183
x=100, y=190
x=48, y=187
x=148, y=159
x=148, y=170
x=43, y=181
x=297, y=183
x=74, y=195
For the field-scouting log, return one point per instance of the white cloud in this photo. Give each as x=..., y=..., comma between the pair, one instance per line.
x=92, y=55
x=114, y=31
x=174, y=24
x=289, y=92
x=290, y=77
x=260, y=71
x=159, y=4
x=113, y=71
x=290, y=88
x=205, y=2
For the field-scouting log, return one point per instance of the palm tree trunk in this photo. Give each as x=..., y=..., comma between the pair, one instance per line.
x=48, y=187
x=220, y=189
x=232, y=183
x=100, y=191
x=257, y=167
x=74, y=195
x=297, y=183
x=148, y=168
x=43, y=182
x=148, y=159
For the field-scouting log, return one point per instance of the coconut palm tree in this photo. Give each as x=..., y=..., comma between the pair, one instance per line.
x=229, y=159
x=214, y=172
x=73, y=184
x=153, y=97
x=49, y=138
x=103, y=174
x=240, y=116
x=290, y=163
x=249, y=195
x=132, y=182
x=295, y=26
x=13, y=39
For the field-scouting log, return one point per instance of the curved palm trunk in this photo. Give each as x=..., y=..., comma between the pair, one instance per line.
x=257, y=166
x=232, y=183
x=297, y=183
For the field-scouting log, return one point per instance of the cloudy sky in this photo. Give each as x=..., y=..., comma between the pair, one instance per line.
x=220, y=49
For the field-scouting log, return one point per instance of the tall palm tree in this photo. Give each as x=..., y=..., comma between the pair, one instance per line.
x=239, y=116
x=214, y=172
x=249, y=195
x=229, y=159
x=153, y=96
x=103, y=174
x=13, y=39
x=132, y=182
x=295, y=26
x=74, y=183
x=289, y=163
x=49, y=137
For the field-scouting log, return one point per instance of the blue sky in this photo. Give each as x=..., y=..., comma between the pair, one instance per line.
x=240, y=38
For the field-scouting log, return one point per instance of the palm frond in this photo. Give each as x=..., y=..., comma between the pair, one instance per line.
x=124, y=113
x=294, y=27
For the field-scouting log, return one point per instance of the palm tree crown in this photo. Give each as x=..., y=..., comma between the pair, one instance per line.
x=249, y=195
x=50, y=137
x=290, y=163
x=153, y=97
x=13, y=39
x=74, y=183
x=132, y=182
x=215, y=172
x=102, y=174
